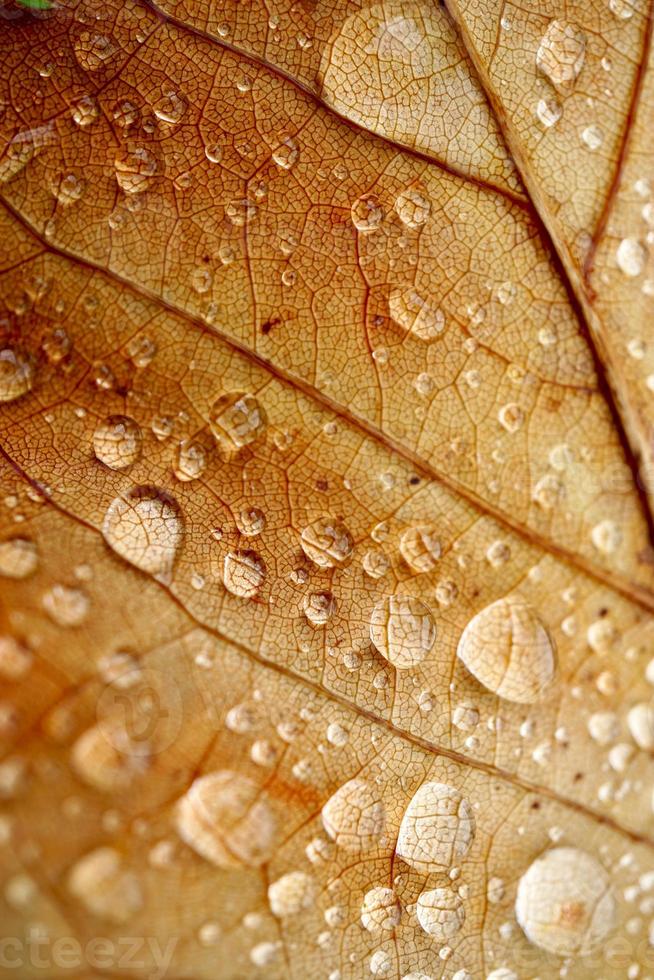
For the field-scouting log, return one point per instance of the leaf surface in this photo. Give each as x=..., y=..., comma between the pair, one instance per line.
x=311, y=473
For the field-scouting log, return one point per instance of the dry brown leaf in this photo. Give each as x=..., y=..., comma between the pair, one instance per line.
x=326, y=575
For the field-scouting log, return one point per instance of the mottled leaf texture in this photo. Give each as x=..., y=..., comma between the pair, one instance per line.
x=326, y=375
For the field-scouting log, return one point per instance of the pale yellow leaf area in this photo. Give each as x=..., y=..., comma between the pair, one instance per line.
x=325, y=566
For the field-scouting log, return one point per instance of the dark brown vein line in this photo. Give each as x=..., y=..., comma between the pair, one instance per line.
x=490, y=188
x=629, y=590
x=425, y=745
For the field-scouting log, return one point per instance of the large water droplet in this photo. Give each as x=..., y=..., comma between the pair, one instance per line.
x=367, y=213
x=355, y=816
x=135, y=167
x=16, y=374
x=561, y=54
x=415, y=315
x=106, y=888
x=327, y=542
x=631, y=256
x=93, y=51
x=117, y=442
x=565, y=903
x=106, y=758
x=319, y=607
x=507, y=648
x=437, y=829
x=440, y=913
x=18, y=558
x=227, y=819
x=244, y=573
x=145, y=527
x=403, y=630
x=412, y=208
x=420, y=548
x=291, y=894
x=237, y=420
x=380, y=910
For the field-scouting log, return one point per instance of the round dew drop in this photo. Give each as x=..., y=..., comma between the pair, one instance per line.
x=291, y=894
x=105, y=757
x=326, y=542
x=16, y=375
x=415, y=315
x=244, y=573
x=440, y=912
x=565, y=904
x=190, y=461
x=105, y=887
x=437, y=829
x=412, y=208
x=367, y=213
x=145, y=527
x=355, y=816
x=508, y=649
x=561, y=54
x=117, y=442
x=402, y=630
x=237, y=420
x=18, y=558
x=319, y=607
x=226, y=818
x=420, y=548
x=380, y=910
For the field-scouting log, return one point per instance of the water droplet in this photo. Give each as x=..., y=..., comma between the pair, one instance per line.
x=622, y=9
x=420, y=548
x=66, y=606
x=227, y=819
x=380, y=910
x=375, y=563
x=145, y=527
x=237, y=420
x=191, y=460
x=640, y=720
x=367, y=213
x=243, y=573
x=631, y=256
x=286, y=154
x=16, y=374
x=135, y=167
x=106, y=758
x=507, y=649
x=241, y=212
x=565, y=903
x=291, y=894
x=549, y=112
x=412, y=207
x=18, y=558
x=170, y=108
x=415, y=315
x=15, y=659
x=213, y=152
x=437, y=829
x=440, y=913
x=251, y=521
x=67, y=189
x=511, y=417
x=592, y=136
x=319, y=607
x=85, y=112
x=606, y=536
x=403, y=630
x=548, y=491
x=355, y=816
x=93, y=51
x=117, y=442
x=326, y=542
x=106, y=888
x=561, y=54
